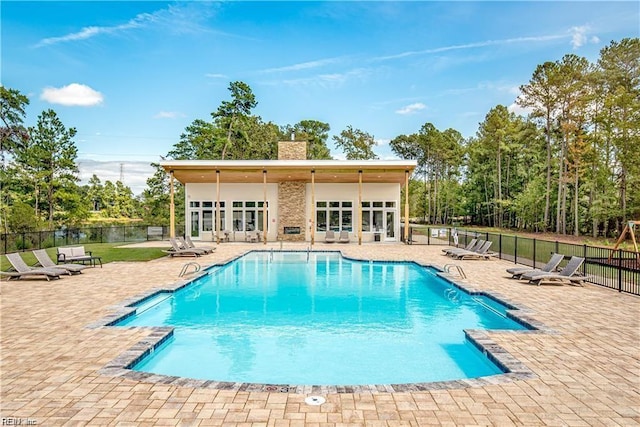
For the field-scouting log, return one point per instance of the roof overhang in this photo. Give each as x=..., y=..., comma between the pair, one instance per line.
x=325, y=171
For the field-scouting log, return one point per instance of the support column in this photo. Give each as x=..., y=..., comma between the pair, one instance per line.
x=218, y=219
x=406, y=207
x=264, y=206
x=172, y=208
x=313, y=207
x=359, y=207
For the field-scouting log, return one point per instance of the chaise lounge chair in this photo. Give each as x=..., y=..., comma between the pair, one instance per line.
x=481, y=253
x=456, y=251
x=567, y=276
x=21, y=269
x=46, y=262
x=191, y=245
x=182, y=244
x=550, y=266
x=344, y=237
x=469, y=246
x=330, y=236
x=176, y=250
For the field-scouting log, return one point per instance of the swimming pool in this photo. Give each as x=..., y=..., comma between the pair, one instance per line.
x=318, y=318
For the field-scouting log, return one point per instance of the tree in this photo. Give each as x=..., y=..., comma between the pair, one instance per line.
x=12, y=132
x=200, y=140
x=540, y=94
x=50, y=155
x=230, y=113
x=316, y=134
x=95, y=191
x=356, y=144
x=620, y=65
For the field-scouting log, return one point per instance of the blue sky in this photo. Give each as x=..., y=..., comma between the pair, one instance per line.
x=130, y=76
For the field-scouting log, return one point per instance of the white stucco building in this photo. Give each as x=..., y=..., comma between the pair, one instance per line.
x=292, y=198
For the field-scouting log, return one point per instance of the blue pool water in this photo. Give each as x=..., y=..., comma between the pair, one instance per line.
x=282, y=319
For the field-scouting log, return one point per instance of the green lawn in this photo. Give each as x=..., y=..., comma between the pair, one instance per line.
x=109, y=252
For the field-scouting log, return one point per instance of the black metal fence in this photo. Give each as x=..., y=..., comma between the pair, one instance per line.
x=615, y=269
x=14, y=242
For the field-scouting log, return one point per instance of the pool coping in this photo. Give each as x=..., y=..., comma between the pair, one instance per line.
x=514, y=370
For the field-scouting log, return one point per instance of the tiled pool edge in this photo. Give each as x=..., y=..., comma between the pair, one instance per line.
x=514, y=369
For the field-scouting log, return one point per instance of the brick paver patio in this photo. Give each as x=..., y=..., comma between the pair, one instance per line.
x=587, y=372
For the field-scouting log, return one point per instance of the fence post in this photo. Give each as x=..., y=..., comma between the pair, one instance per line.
x=428, y=235
x=619, y=270
x=39, y=239
x=557, y=247
x=101, y=228
x=6, y=237
x=66, y=237
x=500, y=246
x=534, y=253
x=515, y=249
x=584, y=264
x=23, y=242
x=124, y=233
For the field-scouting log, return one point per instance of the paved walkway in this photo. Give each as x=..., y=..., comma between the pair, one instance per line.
x=587, y=373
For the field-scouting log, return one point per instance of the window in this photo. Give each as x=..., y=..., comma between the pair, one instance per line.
x=336, y=216
x=249, y=216
x=374, y=218
x=202, y=216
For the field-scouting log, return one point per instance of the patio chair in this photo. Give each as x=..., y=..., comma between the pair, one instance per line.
x=455, y=251
x=330, y=236
x=469, y=246
x=46, y=262
x=191, y=245
x=344, y=237
x=567, y=276
x=550, y=266
x=252, y=237
x=21, y=269
x=182, y=243
x=176, y=250
x=481, y=253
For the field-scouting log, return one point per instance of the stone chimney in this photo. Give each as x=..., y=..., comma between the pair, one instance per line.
x=292, y=150
x=292, y=195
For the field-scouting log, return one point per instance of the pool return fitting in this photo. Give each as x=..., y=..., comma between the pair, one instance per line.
x=185, y=268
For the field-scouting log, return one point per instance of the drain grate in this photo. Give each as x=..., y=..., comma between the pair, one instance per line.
x=314, y=400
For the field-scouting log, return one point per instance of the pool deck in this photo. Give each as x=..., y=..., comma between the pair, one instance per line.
x=586, y=373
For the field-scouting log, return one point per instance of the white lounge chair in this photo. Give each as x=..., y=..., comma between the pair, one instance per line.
x=344, y=237
x=46, y=262
x=182, y=243
x=21, y=269
x=191, y=245
x=176, y=250
x=330, y=236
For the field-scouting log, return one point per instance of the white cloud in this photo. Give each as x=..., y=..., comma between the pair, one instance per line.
x=74, y=94
x=411, y=108
x=327, y=80
x=303, y=65
x=215, y=76
x=177, y=18
x=380, y=142
x=168, y=115
x=470, y=46
x=517, y=109
x=578, y=36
